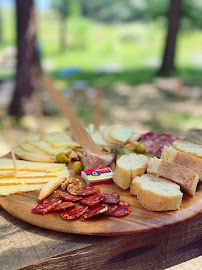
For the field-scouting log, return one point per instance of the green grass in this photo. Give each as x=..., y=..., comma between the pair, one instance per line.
x=91, y=45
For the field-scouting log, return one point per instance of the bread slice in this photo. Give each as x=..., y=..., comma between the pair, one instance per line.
x=128, y=167
x=181, y=175
x=184, y=159
x=155, y=193
x=193, y=149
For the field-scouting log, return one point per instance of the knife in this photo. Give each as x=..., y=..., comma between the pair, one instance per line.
x=78, y=132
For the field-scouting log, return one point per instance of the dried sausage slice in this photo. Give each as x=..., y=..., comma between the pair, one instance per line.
x=155, y=141
x=70, y=198
x=121, y=209
x=76, y=212
x=93, y=199
x=63, y=206
x=46, y=205
x=85, y=191
x=93, y=211
x=111, y=198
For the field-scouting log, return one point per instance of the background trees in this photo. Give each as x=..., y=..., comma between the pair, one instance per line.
x=172, y=15
x=28, y=62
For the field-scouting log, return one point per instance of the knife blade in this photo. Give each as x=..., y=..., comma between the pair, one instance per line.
x=78, y=132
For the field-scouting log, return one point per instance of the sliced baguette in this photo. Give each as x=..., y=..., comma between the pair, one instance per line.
x=183, y=159
x=155, y=193
x=181, y=175
x=128, y=167
x=193, y=149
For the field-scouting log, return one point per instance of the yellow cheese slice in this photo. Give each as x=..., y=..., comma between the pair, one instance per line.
x=40, y=144
x=25, y=174
x=59, y=140
x=29, y=148
x=22, y=165
x=7, y=190
x=20, y=181
x=24, y=177
x=98, y=139
x=120, y=134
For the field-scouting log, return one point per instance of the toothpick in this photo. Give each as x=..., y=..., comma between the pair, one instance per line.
x=14, y=161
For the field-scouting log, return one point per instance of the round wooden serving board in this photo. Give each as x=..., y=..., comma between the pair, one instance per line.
x=138, y=221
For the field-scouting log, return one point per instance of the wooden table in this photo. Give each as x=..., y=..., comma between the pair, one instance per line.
x=24, y=246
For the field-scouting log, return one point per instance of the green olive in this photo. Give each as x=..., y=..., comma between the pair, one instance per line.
x=63, y=158
x=78, y=167
x=140, y=148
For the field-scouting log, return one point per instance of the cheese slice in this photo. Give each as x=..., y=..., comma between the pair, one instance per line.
x=33, y=177
x=29, y=148
x=40, y=144
x=7, y=190
x=26, y=174
x=120, y=134
x=98, y=139
x=22, y=165
x=11, y=185
x=59, y=140
x=20, y=181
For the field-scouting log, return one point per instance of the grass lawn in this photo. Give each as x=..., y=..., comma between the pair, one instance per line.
x=91, y=45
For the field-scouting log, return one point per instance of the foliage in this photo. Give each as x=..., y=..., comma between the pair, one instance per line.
x=116, y=11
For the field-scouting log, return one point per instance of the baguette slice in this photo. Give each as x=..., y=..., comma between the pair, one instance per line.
x=183, y=159
x=128, y=167
x=181, y=175
x=193, y=149
x=155, y=193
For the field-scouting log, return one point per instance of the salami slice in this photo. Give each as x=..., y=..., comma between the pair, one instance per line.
x=85, y=191
x=111, y=198
x=93, y=199
x=46, y=205
x=121, y=209
x=93, y=211
x=70, y=198
x=155, y=141
x=63, y=206
x=76, y=212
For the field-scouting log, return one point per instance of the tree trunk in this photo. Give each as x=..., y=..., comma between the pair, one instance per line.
x=63, y=33
x=28, y=60
x=1, y=36
x=168, y=64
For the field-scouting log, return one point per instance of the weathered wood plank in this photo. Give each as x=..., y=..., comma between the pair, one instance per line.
x=22, y=244
x=153, y=250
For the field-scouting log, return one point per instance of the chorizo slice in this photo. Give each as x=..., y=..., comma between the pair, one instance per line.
x=93, y=199
x=121, y=209
x=76, y=212
x=111, y=198
x=84, y=191
x=63, y=206
x=70, y=198
x=46, y=205
x=93, y=211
